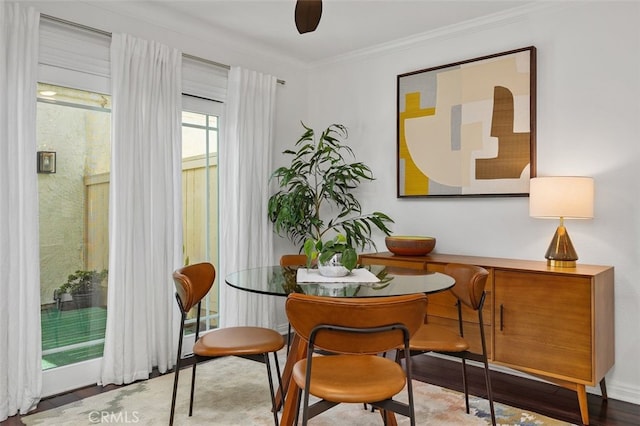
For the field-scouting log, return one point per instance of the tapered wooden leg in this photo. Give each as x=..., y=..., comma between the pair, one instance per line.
x=290, y=408
x=582, y=400
x=389, y=418
x=297, y=352
x=603, y=389
x=580, y=390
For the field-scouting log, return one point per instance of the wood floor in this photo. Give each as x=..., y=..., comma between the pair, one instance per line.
x=527, y=394
x=531, y=395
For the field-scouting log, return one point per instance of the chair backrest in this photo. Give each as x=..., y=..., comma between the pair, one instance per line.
x=306, y=312
x=470, y=283
x=293, y=260
x=193, y=282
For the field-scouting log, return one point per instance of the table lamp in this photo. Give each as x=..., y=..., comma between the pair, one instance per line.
x=563, y=197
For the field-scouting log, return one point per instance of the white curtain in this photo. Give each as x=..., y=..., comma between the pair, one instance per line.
x=20, y=350
x=145, y=213
x=246, y=237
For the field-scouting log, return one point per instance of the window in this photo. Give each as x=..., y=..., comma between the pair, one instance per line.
x=199, y=192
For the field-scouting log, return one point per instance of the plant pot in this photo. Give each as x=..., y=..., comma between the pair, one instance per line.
x=333, y=267
x=83, y=300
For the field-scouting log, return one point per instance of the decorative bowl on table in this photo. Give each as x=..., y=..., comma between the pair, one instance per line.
x=407, y=245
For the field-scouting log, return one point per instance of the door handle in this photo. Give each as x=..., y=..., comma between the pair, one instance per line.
x=501, y=316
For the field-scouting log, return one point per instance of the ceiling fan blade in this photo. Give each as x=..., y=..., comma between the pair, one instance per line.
x=307, y=16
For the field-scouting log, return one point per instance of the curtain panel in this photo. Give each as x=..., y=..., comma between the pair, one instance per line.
x=246, y=236
x=145, y=217
x=20, y=350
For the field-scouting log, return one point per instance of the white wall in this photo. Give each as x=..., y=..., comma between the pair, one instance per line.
x=588, y=79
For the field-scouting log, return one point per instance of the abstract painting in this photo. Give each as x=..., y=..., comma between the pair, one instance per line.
x=468, y=128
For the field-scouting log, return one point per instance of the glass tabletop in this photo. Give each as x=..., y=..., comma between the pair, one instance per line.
x=393, y=281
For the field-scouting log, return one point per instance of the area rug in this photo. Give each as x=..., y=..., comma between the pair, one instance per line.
x=234, y=392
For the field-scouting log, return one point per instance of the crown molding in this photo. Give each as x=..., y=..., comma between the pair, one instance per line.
x=461, y=28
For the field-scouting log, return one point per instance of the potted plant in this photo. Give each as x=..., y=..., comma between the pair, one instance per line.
x=81, y=285
x=316, y=193
x=335, y=257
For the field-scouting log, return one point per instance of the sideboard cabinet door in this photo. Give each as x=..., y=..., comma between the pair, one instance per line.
x=543, y=324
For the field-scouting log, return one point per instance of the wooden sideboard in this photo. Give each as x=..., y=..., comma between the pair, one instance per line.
x=553, y=323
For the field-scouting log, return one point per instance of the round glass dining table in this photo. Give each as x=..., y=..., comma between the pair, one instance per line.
x=385, y=281
x=372, y=281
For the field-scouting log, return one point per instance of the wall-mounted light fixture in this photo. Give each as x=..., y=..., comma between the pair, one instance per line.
x=563, y=197
x=46, y=162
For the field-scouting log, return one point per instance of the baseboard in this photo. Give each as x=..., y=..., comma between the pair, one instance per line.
x=624, y=393
x=615, y=390
x=70, y=377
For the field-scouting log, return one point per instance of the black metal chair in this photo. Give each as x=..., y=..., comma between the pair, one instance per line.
x=469, y=290
x=192, y=283
x=353, y=331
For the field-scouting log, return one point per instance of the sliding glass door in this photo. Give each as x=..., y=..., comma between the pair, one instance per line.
x=73, y=160
x=73, y=178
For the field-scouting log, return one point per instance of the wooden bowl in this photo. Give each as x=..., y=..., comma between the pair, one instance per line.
x=410, y=245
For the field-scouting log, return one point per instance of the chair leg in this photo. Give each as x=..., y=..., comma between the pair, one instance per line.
x=280, y=388
x=273, y=394
x=409, y=374
x=175, y=390
x=465, y=385
x=177, y=370
x=307, y=385
x=305, y=407
x=489, y=391
x=486, y=363
x=193, y=385
x=299, y=398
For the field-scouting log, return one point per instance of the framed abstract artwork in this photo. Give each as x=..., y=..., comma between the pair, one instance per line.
x=468, y=128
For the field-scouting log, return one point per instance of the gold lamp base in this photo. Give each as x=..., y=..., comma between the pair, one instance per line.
x=561, y=253
x=561, y=263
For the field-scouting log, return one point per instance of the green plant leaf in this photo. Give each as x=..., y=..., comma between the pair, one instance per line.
x=310, y=251
x=349, y=258
x=316, y=192
x=82, y=281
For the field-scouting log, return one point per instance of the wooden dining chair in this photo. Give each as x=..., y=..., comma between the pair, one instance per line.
x=293, y=260
x=469, y=291
x=354, y=331
x=192, y=284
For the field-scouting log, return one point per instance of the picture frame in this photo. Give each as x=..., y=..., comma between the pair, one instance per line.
x=46, y=162
x=467, y=129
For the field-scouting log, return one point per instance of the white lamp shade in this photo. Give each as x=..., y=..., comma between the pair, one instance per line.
x=569, y=197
